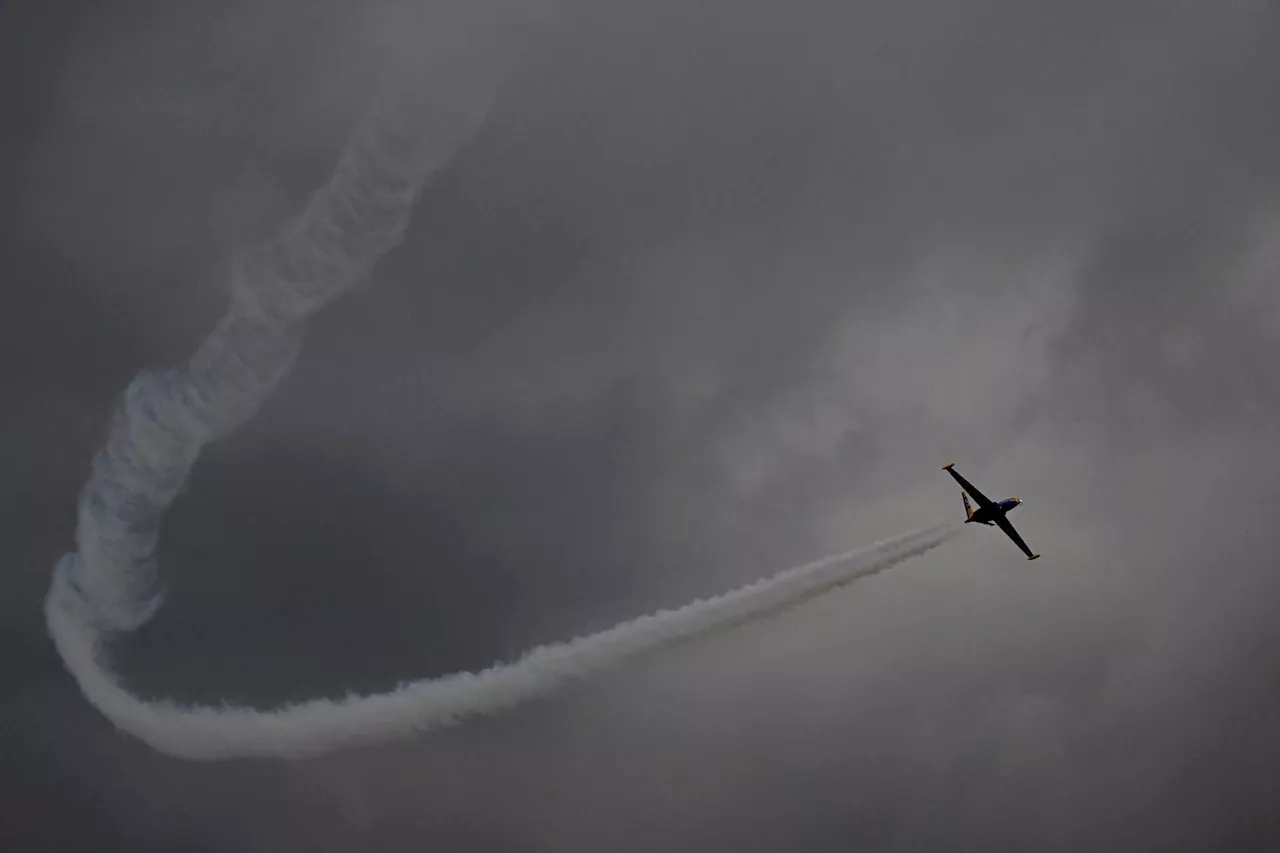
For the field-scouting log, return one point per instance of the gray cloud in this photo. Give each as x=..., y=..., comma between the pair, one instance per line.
x=715, y=292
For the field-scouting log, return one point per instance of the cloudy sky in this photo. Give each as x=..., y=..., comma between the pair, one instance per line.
x=716, y=291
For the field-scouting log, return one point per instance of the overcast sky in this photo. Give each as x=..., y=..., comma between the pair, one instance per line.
x=716, y=291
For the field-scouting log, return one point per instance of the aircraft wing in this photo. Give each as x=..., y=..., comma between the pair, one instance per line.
x=983, y=500
x=1003, y=521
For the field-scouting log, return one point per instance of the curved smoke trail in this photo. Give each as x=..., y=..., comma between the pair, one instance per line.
x=110, y=584
x=322, y=725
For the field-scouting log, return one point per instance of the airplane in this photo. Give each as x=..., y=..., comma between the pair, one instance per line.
x=989, y=512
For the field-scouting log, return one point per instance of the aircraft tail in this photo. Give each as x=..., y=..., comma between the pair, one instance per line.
x=968, y=509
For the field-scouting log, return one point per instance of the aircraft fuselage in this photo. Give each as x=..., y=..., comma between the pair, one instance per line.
x=989, y=514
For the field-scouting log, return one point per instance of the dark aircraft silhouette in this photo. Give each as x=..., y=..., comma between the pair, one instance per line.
x=989, y=512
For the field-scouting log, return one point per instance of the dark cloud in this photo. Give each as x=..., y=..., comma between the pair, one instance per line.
x=715, y=291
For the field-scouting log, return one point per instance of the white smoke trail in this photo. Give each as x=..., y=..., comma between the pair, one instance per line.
x=111, y=583
x=323, y=725
x=167, y=417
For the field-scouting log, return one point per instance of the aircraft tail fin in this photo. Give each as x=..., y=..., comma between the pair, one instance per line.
x=968, y=509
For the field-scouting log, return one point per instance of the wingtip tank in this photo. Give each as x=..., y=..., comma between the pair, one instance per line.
x=948, y=466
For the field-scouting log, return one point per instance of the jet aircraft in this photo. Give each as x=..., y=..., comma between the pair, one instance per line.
x=989, y=512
